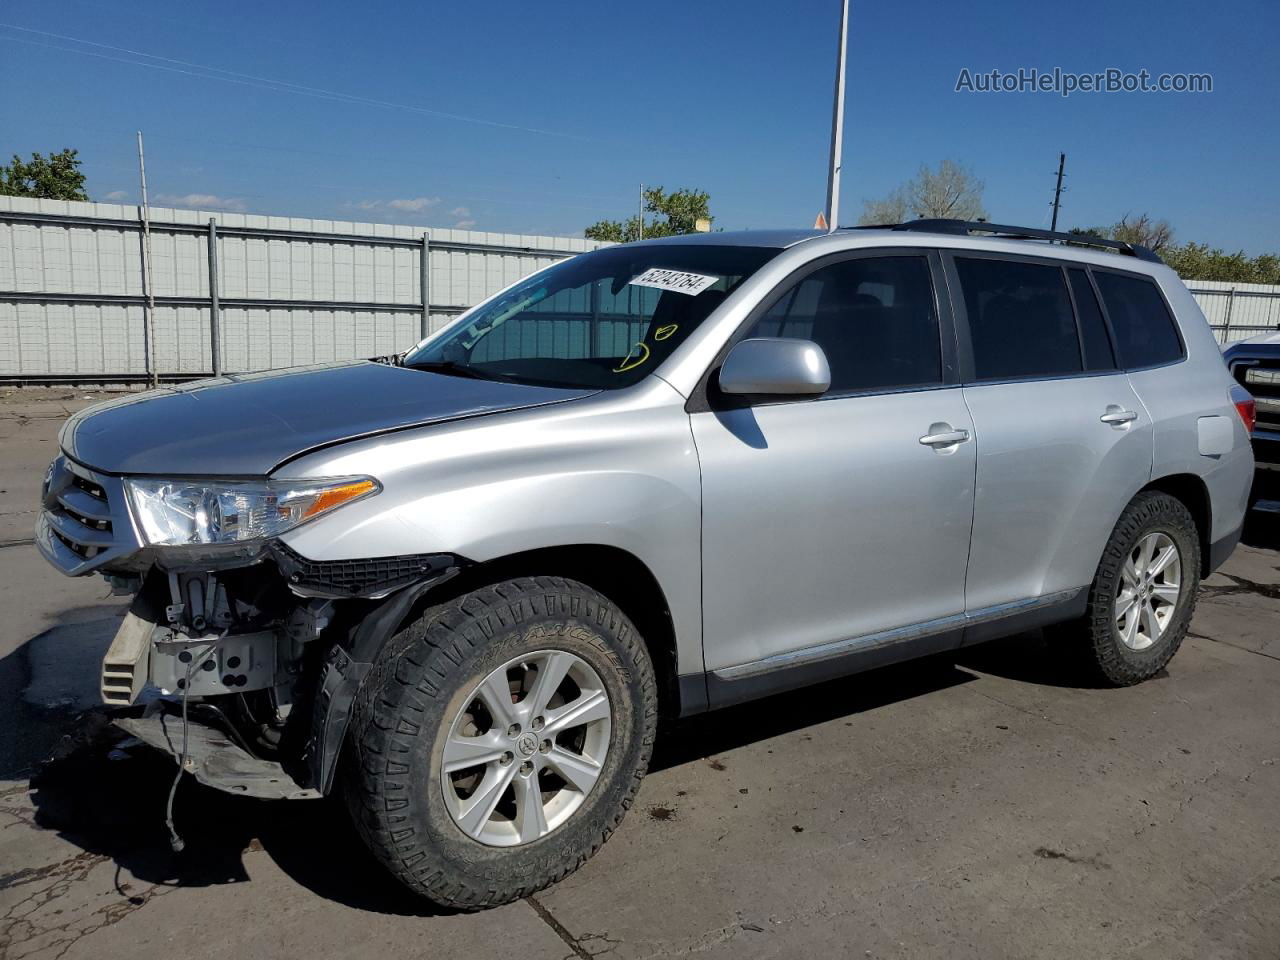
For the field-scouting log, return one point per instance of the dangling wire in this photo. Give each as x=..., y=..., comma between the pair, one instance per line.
x=175, y=841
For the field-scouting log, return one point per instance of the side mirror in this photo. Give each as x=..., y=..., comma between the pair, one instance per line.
x=776, y=366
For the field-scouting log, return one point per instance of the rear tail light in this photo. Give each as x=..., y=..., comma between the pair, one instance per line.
x=1245, y=406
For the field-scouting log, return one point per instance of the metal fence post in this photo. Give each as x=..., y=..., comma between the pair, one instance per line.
x=215, y=312
x=596, y=334
x=424, y=284
x=148, y=288
x=1226, y=327
x=148, y=306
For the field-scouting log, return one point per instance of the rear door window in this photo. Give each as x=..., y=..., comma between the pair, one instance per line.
x=1145, y=332
x=1020, y=320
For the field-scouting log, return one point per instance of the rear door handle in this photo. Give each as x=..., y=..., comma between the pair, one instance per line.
x=1115, y=415
x=944, y=439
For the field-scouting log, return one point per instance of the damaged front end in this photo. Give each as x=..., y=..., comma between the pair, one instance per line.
x=241, y=659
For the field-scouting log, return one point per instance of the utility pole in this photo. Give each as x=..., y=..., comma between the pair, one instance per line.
x=149, y=320
x=1057, y=191
x=640, y=210
x=837, y=122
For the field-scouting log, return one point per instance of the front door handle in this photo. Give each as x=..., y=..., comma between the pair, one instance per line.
x=1115, y=415
x=945, y=438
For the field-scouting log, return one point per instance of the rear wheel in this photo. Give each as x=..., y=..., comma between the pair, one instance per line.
x=1143, y=594
x=500, y=739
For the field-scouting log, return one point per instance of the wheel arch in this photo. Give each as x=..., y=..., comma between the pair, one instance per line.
x=1192, y=492
x=615, y=573
x=620, y=576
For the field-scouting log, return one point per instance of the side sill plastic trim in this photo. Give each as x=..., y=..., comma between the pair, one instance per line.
x=839, y=648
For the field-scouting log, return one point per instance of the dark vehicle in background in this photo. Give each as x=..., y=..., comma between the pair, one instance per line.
x=1255, y=364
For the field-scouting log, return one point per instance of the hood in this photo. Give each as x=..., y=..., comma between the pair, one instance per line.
x=1268, y=344
x=1266, y=338
x=248, y=424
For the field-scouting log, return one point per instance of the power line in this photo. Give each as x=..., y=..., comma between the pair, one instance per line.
x=108, y=136
x=267, y=83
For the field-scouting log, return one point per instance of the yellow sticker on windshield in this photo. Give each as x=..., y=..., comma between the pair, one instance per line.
x=633, y=359
x=663, y=332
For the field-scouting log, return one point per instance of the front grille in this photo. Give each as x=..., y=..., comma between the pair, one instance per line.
x=1261, y=378
x=77, y=529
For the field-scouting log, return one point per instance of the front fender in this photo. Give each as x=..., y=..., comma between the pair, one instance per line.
x=616, y=470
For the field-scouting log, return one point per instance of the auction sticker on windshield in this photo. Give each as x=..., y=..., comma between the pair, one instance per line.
x=677, y=280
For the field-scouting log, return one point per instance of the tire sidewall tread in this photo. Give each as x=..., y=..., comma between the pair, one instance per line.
x=418, y=683
x=1104, y=655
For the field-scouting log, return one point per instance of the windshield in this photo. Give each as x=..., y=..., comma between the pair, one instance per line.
x=603, y=319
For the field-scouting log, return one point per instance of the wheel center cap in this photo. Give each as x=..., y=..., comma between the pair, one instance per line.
x=527, y=744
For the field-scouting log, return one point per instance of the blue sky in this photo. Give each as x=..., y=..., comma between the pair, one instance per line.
x=561, y=109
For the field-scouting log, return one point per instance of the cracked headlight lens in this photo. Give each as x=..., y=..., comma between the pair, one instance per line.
x=180, y=512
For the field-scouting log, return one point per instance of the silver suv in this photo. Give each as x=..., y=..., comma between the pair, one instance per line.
x=463, y=585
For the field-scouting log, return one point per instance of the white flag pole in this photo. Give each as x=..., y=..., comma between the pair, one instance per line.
x=837, y=123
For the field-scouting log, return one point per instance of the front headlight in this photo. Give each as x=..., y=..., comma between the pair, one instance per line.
x=180, y=512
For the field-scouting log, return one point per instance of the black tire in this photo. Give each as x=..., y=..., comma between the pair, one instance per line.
x=424, y=677
x=1091, y=642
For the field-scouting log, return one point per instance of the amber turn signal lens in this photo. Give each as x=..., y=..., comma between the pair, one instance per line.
x=337, y=496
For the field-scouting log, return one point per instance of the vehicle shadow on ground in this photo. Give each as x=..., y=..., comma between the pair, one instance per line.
x=1032, y=657
x=97, y=791
x=705, y=735
x=111, y=801
x=1262, y=530
x=48, y=680
x=107, y=794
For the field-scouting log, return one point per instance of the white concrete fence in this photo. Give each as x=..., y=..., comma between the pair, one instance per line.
x=289, y=290
x=1238, y=311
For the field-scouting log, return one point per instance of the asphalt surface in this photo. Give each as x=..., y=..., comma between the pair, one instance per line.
x=977, y=805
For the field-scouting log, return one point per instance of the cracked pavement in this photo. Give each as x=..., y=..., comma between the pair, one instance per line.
x=966, y=806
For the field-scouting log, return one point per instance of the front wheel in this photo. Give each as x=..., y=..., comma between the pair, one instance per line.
x=500, y=739
x=1143, y=595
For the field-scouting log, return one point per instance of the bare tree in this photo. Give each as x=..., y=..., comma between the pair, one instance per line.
x=953, y=192
x=950, y=192
x=892, y=209
x=1152, y=234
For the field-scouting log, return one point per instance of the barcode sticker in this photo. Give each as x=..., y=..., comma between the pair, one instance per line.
x=664, y=279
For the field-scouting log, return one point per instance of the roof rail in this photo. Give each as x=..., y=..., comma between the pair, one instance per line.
x=968, y=227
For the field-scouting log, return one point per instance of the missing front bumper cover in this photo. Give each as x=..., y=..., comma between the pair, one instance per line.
x=213, y=758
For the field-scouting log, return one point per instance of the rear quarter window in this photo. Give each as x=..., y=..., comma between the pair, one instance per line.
x=1145, y=332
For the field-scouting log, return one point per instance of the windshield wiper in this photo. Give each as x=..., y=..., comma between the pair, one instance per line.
x=453, y=368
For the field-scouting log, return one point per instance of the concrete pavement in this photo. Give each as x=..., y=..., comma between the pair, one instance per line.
x=971, y=806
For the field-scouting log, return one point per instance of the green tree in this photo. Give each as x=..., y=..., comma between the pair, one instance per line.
x=672, y=214
x=1198, y=261
x=55, y=177
x=1191, y=261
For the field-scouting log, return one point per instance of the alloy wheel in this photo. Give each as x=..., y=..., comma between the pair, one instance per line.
x=1150, y=587
x=527, y=748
